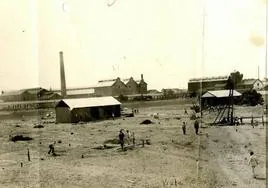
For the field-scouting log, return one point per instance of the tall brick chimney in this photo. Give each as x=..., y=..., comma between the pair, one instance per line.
x=62, y=76
x=141, y=76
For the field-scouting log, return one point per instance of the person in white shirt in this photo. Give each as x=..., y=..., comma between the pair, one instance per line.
x=253, y=163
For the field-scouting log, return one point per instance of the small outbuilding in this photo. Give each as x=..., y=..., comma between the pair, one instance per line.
x=218, y=97
x=87, y=109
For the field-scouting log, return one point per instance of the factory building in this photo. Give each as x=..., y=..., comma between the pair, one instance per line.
x=207, y=83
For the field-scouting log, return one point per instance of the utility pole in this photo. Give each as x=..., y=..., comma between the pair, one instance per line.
x=266, y=45
x=203, y=54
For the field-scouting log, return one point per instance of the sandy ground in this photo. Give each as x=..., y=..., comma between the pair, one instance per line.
x=216, y=158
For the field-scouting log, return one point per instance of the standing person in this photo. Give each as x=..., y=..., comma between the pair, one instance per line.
x=185, y=111
x=113, y=115
x=253, y=163
x=252, y=122
x=128, y=137
x=51, y=149
x=184, y=127
x=196, y=126
x=121, y=138
x=236, y=123
x=133, y=138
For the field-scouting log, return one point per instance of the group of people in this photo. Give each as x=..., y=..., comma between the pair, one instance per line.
x=126, y=137
x=135, y=110
x=196, y=127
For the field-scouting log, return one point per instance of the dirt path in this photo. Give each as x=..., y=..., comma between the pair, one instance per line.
x=227, y=153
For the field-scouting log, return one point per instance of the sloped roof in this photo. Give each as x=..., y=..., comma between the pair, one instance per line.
x=105, y=84
x=34, y=91
x=249, y=81
x=108, y=80
x=88, y=102
x=153, y=91
x=50, y=95
x=220, y=94
x=176, y=90
x=126, y=80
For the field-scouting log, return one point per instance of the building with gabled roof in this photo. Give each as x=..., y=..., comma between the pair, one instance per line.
x=29, y=94
x=220, y=94
x=132, y=85
x=87, y=109
x=110, y=88
x=15, y=95
x=218, y=97
x=249, y=84
x=153, y=91
x=116, y=87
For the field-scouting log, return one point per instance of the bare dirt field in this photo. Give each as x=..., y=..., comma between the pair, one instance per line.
x=216, y=158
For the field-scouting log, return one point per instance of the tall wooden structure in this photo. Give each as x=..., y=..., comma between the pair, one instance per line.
x=229, y=107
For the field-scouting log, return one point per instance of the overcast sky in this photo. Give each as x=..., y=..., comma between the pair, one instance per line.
x=160, y=38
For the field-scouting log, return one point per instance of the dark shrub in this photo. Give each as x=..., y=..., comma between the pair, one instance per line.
x=251, y=97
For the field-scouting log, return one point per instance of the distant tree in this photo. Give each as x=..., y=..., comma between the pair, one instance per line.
x=193, y=94
x=230, y=83
x=237, y=78
x=251, y=97
x=234, y=79
x=168, y=93
x=122, y=98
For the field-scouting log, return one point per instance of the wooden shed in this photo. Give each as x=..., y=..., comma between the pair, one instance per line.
x=218, y=97
x=86, y=109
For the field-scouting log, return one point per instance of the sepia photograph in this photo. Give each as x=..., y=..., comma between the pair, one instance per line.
x=133, y=93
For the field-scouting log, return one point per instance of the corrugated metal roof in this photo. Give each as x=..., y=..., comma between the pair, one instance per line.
x=90, y=102
x=206, y=79
x=220, y=94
